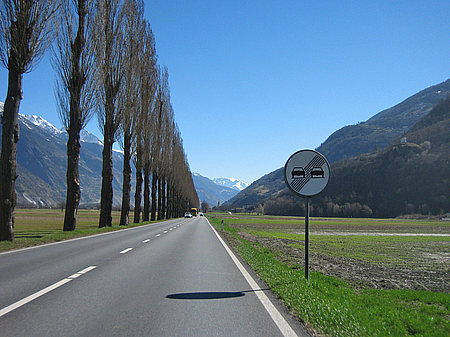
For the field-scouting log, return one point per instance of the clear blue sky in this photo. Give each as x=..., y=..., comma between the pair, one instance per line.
x=254, y=81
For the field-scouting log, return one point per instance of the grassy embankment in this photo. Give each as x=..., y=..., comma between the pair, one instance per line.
x=333, y=306
x=39, y=226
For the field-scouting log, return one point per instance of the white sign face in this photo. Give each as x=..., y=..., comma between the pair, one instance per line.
x=307, y=173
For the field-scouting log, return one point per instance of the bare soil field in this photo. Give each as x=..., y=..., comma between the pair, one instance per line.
x=378, y=253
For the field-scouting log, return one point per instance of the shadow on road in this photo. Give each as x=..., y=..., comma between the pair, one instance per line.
x=210, y=295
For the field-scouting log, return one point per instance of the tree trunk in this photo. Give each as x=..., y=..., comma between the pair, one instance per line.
x=10, y=137
x=138, y=193
x=73, y=181
x=154, y=190
x=146, y=214
x=126, y=188
x=107, y=177
x=159, y=215
x=76, y=83
x=168, y=206
x=163, y=197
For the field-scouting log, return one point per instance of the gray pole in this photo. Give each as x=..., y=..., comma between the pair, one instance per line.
x=307, y=239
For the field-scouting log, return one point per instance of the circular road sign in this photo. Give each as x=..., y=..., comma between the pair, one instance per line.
x=307, y=173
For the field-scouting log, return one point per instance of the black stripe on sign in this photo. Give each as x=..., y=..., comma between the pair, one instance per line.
x=298, y=184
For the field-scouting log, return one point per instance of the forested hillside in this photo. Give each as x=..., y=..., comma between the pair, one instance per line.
x=384, y=127
x=410, y=176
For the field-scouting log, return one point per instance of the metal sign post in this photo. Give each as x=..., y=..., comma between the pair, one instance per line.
x=307, y=239
x=307, y=173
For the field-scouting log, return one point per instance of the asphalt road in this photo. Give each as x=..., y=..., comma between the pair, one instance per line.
x=174, y=278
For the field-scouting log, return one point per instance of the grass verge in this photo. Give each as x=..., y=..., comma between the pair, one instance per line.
x=35, y=227
x=333, y=307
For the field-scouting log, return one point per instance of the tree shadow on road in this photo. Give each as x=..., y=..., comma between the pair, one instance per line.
x=210, y=295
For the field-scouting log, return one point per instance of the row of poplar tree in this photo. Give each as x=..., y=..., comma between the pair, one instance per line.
x=103, y=52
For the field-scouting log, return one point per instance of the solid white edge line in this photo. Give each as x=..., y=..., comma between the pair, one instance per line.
x=126, y=250
x=279, y=320
x=32, y=297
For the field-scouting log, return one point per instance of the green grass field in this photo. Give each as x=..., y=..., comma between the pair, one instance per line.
x=39, y=226
x=348, y=292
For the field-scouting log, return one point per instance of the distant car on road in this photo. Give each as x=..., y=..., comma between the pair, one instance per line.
x=188, y=215
x=201, y=214
x=317, y=172
x=298, y=172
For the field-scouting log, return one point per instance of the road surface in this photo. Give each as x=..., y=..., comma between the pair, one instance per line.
x=173, y=278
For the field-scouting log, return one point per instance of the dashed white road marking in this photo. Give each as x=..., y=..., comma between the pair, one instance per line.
x=145, y=241
x=157, y=235
x=126, y=250
x=74, y=276
x=85, y=270
x=32, y=297
x=165, y=232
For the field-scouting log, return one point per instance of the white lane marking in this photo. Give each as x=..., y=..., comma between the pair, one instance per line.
x=279, y=320
x=171, y=229
x=32, y=297
x=145, y=241
x=157, y=235
x=126, y=250
x=82, y=238
x=165, y=232
x=74, y=276
x=85, y=270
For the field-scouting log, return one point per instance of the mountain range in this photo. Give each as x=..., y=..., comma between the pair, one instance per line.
x=384, y=127
x=218, y=190
x=42, y=163
x=405, y=167
x=232, y=183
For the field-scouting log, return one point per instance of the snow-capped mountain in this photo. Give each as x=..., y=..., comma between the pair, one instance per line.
x=41, y=122
x=42, y=165
x=210, y=192
x=233, y=183
x=88, y=137
x=85, y=136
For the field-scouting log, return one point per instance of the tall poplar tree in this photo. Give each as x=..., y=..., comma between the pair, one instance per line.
x=26, y=30
x=73, y=61
x=109, y=33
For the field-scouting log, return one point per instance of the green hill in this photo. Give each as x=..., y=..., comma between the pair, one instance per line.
x=384, y=127
x=410, y=175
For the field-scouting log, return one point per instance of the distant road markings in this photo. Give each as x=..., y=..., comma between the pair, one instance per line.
x=145, y=241
x=126, y=250
x=158, y=235
x=171, y=229
x=165, y=232
x=32, y=297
